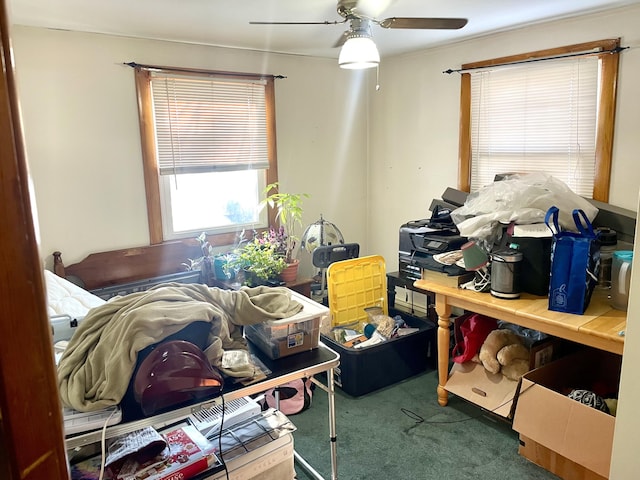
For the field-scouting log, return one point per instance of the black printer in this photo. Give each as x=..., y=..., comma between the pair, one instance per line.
x=421, y=239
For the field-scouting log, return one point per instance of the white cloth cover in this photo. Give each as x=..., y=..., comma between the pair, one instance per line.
x=66, y=298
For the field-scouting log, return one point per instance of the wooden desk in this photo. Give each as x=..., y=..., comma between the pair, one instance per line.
x=599, y=327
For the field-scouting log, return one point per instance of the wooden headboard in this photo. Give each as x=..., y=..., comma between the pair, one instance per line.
x=115, y=267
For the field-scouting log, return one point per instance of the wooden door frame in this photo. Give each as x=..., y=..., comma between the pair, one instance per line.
x=31, y=432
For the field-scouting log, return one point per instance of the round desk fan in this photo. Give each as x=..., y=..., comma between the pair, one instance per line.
x=319, y=234
x=324, y=241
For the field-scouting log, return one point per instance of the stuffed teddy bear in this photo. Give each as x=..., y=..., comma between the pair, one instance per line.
x=504, y=351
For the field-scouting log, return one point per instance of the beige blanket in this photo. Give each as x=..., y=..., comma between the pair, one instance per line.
x=97, y=365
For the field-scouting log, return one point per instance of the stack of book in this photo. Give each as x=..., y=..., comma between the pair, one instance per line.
x=443, y=278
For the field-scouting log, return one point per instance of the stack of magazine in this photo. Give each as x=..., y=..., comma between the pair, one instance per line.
x=181, y=450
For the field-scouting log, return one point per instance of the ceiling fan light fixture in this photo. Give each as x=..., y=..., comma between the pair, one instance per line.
x=359, y=52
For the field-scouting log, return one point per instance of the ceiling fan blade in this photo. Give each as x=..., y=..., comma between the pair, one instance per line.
x=424, y=23
x=342, y=39
x=326, y=22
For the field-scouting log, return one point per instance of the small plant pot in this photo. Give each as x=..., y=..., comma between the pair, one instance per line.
x=290, y=273
x=218, y=268
x=252, y=280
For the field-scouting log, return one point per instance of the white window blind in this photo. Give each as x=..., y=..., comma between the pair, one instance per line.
x=208, y=124
x=536, y=117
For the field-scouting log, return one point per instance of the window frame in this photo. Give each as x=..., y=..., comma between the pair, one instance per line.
x=606, y=108
x=149, y=151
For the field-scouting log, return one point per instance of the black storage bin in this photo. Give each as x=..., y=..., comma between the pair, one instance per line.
x=363, y=371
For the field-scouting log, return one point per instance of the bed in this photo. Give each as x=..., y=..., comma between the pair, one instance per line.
x=67, y=305
x=77, y=291
x=73, y=290
x=119, y=322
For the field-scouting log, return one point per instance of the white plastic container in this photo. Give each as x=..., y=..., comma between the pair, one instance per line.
x=621, y=278
x=299, y=333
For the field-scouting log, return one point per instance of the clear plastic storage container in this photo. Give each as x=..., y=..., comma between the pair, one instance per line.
x=299, y=333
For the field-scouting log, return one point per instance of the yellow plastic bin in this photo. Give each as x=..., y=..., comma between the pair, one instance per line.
x=354, y=285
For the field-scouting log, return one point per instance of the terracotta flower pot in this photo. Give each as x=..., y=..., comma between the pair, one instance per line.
x=290, y=273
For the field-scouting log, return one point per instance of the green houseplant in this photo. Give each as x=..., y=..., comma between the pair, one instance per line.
x=271, y=254
x=288, y=207
x=203, y=263
x=212, y=264
x=261, y=258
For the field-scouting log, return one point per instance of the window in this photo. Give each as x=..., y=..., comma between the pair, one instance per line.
x=520, y=114
x=208, y=141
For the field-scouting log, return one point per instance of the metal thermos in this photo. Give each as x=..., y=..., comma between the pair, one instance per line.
x=506, y=268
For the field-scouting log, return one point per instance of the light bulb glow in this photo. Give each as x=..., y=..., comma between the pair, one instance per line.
x=359, y=53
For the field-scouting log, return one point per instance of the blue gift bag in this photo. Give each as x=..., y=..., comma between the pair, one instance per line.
x=575, y=263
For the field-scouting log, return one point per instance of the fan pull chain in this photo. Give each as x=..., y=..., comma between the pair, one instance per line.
x=377, y=77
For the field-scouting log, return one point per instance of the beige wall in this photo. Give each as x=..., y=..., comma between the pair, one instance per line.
x=371, y=160
x=83, y=141
x=414, y=121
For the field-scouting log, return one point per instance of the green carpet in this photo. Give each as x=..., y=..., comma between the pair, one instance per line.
x=379, y=436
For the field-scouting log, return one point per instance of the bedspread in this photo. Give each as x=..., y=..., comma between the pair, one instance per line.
x=97, y=365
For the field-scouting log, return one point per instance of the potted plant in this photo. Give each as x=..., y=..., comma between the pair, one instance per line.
x=213, y=264
x=225, y=265
x=261, y=258
x=203, y=263
x=288, y=208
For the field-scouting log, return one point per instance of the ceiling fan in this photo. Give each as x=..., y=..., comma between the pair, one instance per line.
x=359, y=50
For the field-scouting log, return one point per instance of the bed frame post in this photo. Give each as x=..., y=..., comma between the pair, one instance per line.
x=58, y=266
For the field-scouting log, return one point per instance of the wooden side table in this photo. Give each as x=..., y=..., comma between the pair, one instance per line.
x=600, y=326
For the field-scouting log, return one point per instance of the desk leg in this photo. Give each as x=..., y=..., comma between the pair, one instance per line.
x=391, y=292
x=332, y=425
x=444, y=314
x=330, y=389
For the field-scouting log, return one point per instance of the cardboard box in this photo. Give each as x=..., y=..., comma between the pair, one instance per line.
x=299, y=333
x=554, y=462
x=493, y=391
x=574, y=431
